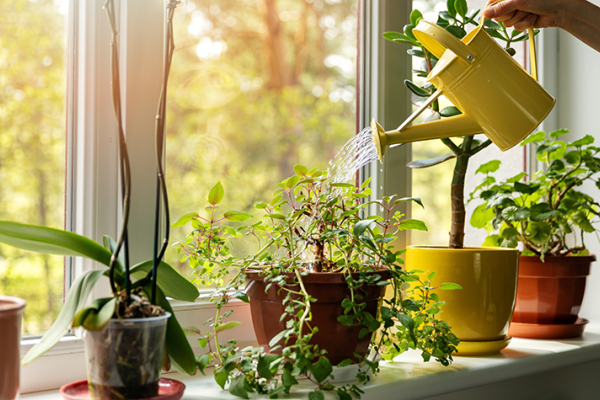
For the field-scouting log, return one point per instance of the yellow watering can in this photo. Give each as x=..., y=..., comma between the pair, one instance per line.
x=494, y=93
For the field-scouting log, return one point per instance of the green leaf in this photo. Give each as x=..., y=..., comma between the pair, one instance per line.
x=456, y=31
x=263, y=368
x=538, y=232
x=461, y=7
x=300, y=170
x=361, y=226
x=534, y=138
x=405, y=199
x=450, y=111
x=237, y=387
x=216, y=194
x=415, y=17
x=288, y=379
x=450, y=8
x=558, y=133
x=226, y=326
x=398, y=37
x=273, y=342
x=481, y=216
x=242, y=296
x=450, y=286
x=259, y=205
x=431, y=161
x=291, y=182
x=584, y=141
x=321, y=369
x=488, y=23
x=344, y=363
x=416, y=53
x=184, y=219
x=237, y=216
x=343, y=395
x=169, y=281
x=488, y=167
x=416, y=89
x=494, y=33
x=317, y=395
x=407, y=224
x=202, y=361
x=517, y=177
x=541, y=212
x=51, y=241
x=97, y=318
x=178, y=347
x=221, y=377
x=110, y=245
x=581, y=220
x=76, y=299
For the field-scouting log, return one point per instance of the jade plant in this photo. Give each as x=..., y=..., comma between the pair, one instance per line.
x=456, y=20
x=312, y=225
x=547, y=213
x=138, y=291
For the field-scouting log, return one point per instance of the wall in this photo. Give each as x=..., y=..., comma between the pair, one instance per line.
x=577, y=107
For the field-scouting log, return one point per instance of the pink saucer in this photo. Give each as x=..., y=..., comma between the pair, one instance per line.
x=168, y=389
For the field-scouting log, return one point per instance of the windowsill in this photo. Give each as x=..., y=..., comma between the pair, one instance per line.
x=416, y=380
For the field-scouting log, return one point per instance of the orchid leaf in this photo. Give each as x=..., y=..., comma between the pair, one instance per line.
x=168, y=280
x=76, y=298
x=46, y=240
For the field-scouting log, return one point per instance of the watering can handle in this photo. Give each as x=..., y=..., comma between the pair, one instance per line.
x=532, y=55
x=436, y=39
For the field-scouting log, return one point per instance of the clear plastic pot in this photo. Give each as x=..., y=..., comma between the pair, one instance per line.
x=124, y=359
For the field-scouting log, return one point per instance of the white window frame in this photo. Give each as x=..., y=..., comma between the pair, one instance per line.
x=92, y=178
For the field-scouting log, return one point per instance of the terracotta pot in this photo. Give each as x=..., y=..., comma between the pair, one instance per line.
x=551, y=292
x=482, y=310
x=11, y=311
x=329, y=289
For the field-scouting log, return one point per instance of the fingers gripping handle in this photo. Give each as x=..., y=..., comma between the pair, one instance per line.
x=532, y=54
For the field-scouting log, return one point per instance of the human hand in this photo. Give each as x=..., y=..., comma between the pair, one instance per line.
x=523, y=14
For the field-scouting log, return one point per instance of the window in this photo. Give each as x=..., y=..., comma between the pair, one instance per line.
x=256, y=87
x=32, y=144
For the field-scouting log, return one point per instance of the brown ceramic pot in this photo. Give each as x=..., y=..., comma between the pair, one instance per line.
x=11, y=310
x=329, y=289
x=551, y=292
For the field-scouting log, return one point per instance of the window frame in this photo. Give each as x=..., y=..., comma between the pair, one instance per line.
x=92, y=178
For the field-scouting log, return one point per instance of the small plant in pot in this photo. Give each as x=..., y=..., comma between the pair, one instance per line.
x=481, y=330
x=549, y=216
x=131, y=333
x=316, y=280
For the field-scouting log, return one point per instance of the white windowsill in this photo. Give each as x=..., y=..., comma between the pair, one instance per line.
x=410, y=378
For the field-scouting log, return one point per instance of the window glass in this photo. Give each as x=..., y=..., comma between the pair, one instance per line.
x=256, y=87
x=32, y=148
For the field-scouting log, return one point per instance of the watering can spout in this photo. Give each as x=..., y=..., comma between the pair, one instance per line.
x=460, y=125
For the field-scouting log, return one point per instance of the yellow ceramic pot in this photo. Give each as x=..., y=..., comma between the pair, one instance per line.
x=480, y=313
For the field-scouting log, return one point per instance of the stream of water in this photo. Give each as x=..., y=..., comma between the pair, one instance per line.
x=356, y=153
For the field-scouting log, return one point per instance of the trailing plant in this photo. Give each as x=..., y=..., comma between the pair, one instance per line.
x=547, y=214
x=455, y=20
x=131, y=286
x=312, y=225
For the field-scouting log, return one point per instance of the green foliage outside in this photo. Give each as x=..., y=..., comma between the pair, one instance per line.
x=246, y=115
x=32, y=149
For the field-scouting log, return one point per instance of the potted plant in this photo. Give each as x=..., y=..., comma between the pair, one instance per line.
x=548, y=216
x=127, y=331
x=11, y=311
x=480, y=314
x=315, y=285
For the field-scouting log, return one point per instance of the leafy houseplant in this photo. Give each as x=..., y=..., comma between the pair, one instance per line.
x=311, y=231
x=481, y=272
x=549, y=216
x=455, y=20
x=138, y=292
x=542, y=213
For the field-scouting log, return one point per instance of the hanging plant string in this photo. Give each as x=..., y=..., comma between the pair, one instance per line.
x=125, y=171
x=161, y=187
